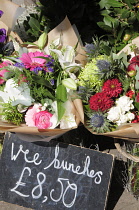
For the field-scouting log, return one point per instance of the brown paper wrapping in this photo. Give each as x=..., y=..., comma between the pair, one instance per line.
x=11, y=13
x=77, y=111
x=127, y=48
x=4, y=127
x=10, y=34
x=130, y=132
x=69, y=36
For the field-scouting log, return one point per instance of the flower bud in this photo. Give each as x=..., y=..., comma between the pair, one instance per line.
x=127, y=37
x=69, y=83
x=131, y=70
x=42, y=40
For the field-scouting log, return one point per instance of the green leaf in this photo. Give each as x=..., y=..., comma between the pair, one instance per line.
x=34, y=24
x=109, y=3
x=105, y=12
x=61, y=96
x=124, y=13
x=41, y=81
x=108, y=20
x=137, y=105
x=102, y=3
x=104, y=27
x=114, y=3
x=128, y=2
x=120, y=33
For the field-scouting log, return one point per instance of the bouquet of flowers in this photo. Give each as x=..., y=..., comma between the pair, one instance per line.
x=38, y=83
x=109, y=88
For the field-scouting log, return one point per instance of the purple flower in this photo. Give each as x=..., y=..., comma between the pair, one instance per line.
x=20, y=65
x=49, y=63
x=52, y=82
x=50, y=69
x=2, y=35
x=37, y=69
x=1, y=13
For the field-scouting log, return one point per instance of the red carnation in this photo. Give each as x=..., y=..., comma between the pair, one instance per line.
x=100, y=102
x=112, y=87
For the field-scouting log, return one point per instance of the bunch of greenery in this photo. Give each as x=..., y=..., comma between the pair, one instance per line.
x=116, y=20
x=120, y=21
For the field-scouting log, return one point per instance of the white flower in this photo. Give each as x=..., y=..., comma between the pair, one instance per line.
x=125, y=103
x=67, y=59
x=123, y=119
x=16, y=94
x=68, y=120
x=130, y=116
x=114, y=114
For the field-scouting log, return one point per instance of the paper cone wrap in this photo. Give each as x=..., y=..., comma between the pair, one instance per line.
x=11, y=13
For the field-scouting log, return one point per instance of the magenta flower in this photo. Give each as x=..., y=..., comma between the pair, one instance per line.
x=2, y=72
x=2, y=35
x=42, y=120
x=31, y=62
x=37, y=117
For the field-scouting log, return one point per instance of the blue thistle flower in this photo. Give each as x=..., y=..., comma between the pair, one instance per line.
x=103, y=65
x=97, y=120
x=90, y=48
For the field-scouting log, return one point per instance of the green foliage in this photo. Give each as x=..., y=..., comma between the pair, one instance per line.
x=119, y=21
x=36, y=24
x=61, y=97
x=11, y=114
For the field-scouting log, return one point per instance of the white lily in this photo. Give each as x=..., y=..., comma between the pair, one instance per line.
x=68, y=120
x=16, y=94
x=67, y=59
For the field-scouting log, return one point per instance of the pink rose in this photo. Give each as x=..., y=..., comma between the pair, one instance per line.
x=30, y=116
x=42, y=119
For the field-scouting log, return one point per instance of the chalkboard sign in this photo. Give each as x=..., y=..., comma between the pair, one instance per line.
x=53, y=175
